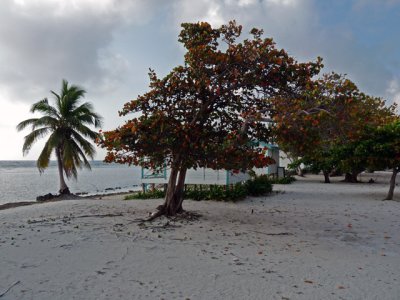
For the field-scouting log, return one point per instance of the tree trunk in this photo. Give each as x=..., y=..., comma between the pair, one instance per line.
x=392, y=184
x=326, y=177
x=64, y=190
x=354, y=175
x=174, y=201
x=180, y=188
x=169, y=195
x=300, y=172
x=351, y=177
x=173, y=196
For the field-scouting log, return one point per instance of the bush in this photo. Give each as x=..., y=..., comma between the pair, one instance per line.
x=154, y=194
x=196, y=195
x=216, y=192
x=259, y=185
x=283, y=180
x=237, y=192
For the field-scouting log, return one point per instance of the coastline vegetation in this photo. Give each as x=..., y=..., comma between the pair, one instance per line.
x=256, y=186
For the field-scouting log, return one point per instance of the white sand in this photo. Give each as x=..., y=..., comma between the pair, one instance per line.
x=314, y=241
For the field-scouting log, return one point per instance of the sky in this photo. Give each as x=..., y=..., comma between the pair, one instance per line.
x=108, y=46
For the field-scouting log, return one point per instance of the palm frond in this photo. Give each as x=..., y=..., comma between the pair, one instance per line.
x=45, y=108
x=21, y=126
x=86, y=131
x=73, y=158
x=87, y=147
x=86, y=114
x=58, y=100
x=85, y=108
x=46, y=121
x=81, y=156
x=70, y=96
x=44, y=158
x=31, y=138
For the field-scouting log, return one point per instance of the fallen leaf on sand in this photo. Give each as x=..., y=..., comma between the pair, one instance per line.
x=340, y=287
x=309, y=281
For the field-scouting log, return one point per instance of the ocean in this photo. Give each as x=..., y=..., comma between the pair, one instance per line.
x=21, y=180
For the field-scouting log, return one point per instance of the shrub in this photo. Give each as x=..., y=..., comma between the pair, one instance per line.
x=216, y=192
x=259, y=185
x=154, y=194
x=283, y=180
x=237, y=192
x=196, y=195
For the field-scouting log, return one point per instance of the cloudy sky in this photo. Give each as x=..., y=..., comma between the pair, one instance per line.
x=107, y=46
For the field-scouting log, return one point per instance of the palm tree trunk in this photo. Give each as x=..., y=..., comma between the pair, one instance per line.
x=392, y=184
x=63, y=186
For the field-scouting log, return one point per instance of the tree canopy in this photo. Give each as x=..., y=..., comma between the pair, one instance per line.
x=379, y=149
x=209, y=111
x=320, y=125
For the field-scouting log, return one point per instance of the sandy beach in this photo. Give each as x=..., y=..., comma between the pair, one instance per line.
x=308, y=240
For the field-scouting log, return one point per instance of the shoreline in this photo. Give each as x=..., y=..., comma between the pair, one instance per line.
x=10, y=205
x=380, y=178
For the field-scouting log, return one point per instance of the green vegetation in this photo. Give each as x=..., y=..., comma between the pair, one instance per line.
x=283, y=180
x=320, y=126
x=154, y=194
x=378, y=149
x=67, y=123
x=217, y=192
x=257, y=186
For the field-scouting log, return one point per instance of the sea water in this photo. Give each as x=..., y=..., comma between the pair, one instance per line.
x=21, y=180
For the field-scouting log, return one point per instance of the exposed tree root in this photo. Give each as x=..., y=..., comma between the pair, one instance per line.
x=97, y=216
x=161, y=211
x=179, y=215
x=274, y=234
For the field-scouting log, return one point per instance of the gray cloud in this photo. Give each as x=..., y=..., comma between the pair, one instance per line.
x=296, y=26
x=107, y=46
x=41, y=44
x=86, y=41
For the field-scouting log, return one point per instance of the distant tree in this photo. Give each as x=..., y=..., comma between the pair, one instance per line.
x=380, y=149
x=210, y=111
x=330, y=114
x=66, y=122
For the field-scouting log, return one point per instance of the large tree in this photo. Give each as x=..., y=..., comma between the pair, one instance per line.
x=209, y=111
x=330, y=114
x=379, y=148
x=67, y=123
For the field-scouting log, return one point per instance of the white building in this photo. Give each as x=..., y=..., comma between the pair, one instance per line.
x=214, y=177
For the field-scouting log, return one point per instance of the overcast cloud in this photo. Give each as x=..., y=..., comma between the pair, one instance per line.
x=107, y=46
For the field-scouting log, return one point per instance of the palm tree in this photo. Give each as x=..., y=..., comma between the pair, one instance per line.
x=66, y=122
